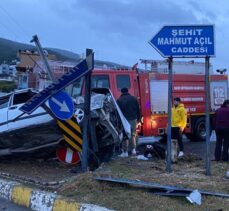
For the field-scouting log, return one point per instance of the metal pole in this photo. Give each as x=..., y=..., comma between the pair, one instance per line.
x=207, y=119
x=41, y=52
x=87, y=117
x=170, y=78
x=51, y=77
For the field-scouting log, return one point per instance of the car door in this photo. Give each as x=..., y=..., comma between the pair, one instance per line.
x=39, y=116
x=4, y=103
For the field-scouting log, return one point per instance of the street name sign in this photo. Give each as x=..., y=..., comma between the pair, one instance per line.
x=61, y=105
x=78, y=71
x=185, y=41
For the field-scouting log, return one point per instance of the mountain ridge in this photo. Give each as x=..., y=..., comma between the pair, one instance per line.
x=9, y=49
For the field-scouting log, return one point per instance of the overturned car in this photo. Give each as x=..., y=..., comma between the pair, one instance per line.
x=23, y=133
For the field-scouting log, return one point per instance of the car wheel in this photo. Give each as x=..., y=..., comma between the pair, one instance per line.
x=79, y=113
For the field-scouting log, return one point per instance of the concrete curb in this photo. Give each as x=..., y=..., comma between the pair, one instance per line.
x=41, y=200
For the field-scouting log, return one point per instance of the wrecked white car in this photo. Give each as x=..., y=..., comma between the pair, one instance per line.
x=28, y=133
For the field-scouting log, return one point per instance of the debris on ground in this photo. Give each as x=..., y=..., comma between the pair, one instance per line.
x=188, y=172
x=142, y=157
x=194, y=197
x=189, y=175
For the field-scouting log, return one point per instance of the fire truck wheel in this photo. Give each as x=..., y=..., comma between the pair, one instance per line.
x=200, y=130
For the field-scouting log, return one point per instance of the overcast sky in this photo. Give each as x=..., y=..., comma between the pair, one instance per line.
x=117, y=30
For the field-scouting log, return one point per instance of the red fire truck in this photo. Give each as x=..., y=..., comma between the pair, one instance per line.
x=151, y=89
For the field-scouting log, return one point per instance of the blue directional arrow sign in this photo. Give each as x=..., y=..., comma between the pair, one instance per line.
x=61, y=105
x=78, y=71
x=185, y=41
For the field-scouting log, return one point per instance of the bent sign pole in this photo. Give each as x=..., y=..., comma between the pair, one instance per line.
x=191, y=41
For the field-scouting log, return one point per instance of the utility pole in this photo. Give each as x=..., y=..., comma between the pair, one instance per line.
x=41, y=52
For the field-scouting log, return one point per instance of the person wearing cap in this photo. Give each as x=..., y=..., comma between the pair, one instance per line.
x=221, y=124
x=179, y=121
x=130, y=108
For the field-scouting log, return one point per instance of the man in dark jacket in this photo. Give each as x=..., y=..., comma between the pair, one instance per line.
x=221, y=123
x=130, y=109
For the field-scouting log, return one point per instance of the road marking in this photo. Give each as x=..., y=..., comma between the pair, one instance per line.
x=21, y=195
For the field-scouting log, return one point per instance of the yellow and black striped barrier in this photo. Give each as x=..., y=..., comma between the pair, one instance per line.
x=71, y=132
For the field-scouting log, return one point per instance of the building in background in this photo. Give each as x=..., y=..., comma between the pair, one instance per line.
x=27, y=61
x=58, y=69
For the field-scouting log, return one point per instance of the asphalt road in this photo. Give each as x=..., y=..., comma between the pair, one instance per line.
x=198, y=148
x=194, y=147
x=8, y=206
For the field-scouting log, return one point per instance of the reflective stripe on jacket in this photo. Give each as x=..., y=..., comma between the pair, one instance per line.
x=179, y=116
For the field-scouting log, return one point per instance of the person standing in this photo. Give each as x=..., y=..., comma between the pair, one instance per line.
x=221, y=123
x=179, y=121
x=130, y=108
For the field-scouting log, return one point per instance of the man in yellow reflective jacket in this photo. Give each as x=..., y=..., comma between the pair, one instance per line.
x=179, y=121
